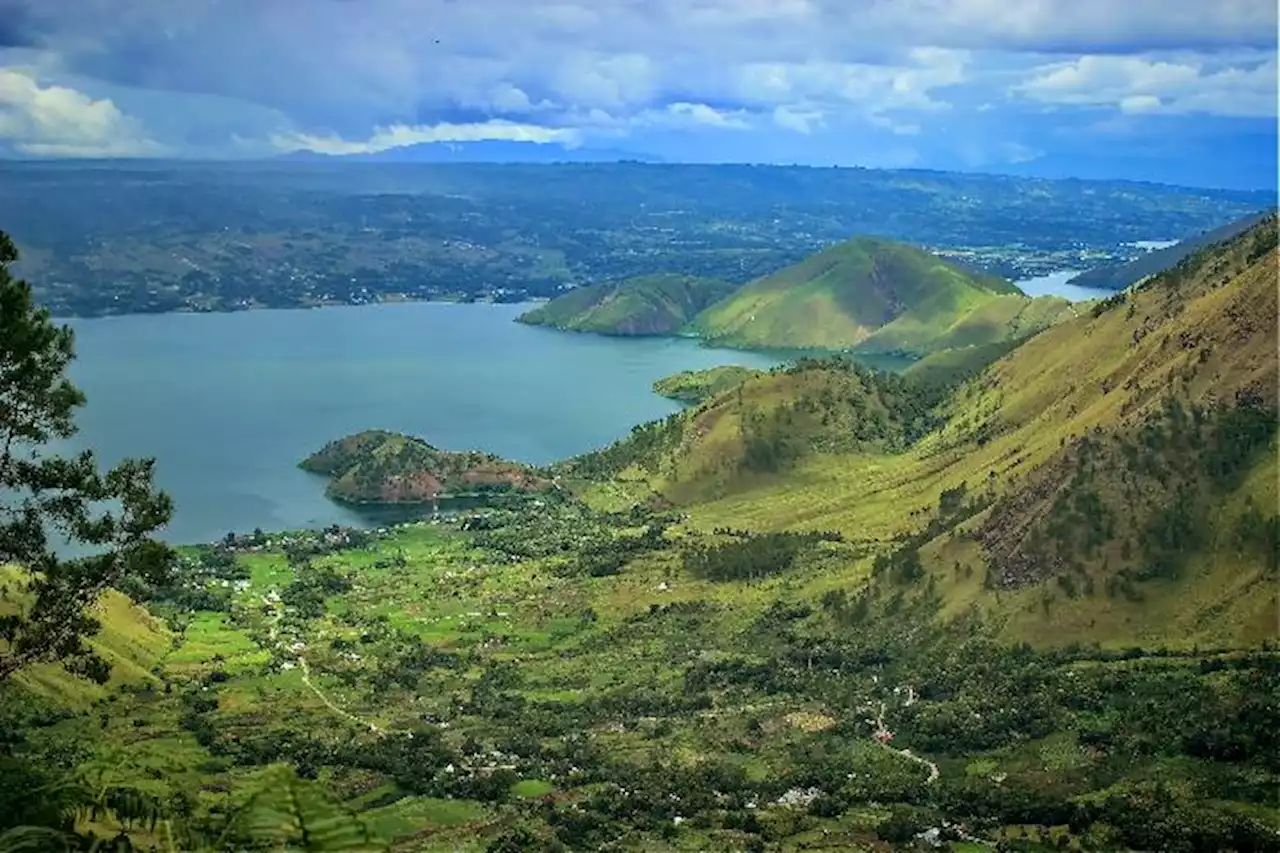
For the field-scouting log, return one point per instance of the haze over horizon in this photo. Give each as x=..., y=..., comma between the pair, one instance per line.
x=1175, y=92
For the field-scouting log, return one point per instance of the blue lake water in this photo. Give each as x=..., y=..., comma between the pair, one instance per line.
x=1055, y=284
x=229, y=403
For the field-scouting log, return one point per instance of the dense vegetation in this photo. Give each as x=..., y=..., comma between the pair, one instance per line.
x=557, y=718
x=146, y=237
x=1145, y=500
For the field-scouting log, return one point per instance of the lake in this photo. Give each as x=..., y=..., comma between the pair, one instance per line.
x=1055, y=284
x=229, y=403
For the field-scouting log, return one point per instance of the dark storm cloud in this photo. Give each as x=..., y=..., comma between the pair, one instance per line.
x=18, y=26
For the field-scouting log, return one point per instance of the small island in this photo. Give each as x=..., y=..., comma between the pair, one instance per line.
x=381, y=468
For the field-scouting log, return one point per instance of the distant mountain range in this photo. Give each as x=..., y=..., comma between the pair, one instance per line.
x=484, y=151
x=1120, y=276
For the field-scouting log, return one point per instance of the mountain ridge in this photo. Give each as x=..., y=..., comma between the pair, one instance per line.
x=1120, y=276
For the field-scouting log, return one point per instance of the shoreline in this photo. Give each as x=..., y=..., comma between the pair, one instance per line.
x=389, y=299
x=448, y=299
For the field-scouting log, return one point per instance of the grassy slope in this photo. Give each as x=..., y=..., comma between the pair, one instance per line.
x=949, y=366
x=1008, y=317
x=873, y=294
x=694, y=386
x=647, y=305
x=131, y=640
x=1208, y=333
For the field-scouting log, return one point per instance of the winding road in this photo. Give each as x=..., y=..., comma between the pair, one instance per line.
x=905, y=753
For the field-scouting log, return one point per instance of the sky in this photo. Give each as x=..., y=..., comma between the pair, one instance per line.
x=1178, y=91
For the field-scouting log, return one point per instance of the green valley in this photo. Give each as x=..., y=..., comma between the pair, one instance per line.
x=1018, y=597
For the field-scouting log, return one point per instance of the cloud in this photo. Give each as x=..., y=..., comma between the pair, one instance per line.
x=56, y=121
x=1078, y=26
x=16, y=26
x=1140, y=85
x=592, y=80
x=777, y=80
x=688, y=115
x=399, y=135
x=797, y=118
x=392, y=58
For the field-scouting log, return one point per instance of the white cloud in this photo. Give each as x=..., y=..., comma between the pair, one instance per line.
x=793, y=68
x=688, y=114
x=875, y=87
x=57, y=121
x=1078, y=26
x=799, y=119
x=1136, y=85
x=679, y=115
x=400, y=135
x=799, y=96
x=593, y=80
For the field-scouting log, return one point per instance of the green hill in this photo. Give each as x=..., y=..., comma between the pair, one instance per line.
x=646, y=305
x=1129, y=452
x=1119, y=276
x=379, y=467
x=694, y=386
x=876, y=296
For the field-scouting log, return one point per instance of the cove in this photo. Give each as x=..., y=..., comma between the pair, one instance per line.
x=229, y=403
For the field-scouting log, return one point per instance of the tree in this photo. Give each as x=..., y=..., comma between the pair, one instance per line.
x=112, y=515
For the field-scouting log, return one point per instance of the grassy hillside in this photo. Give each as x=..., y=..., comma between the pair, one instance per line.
x=765, y=427
x=131, y=640
x=378, y=467
x=877, y=296
x=950, y=366
x=694, y=386
x=1070, y=431
x=646, y=305
x=1120, y=276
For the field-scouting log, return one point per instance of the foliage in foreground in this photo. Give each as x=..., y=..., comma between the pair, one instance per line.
x=45, y=497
